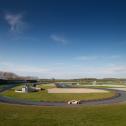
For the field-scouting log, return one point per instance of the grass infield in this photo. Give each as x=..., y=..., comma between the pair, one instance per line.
x=45, y=96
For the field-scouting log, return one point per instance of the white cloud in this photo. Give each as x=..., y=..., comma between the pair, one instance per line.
x=15, y=22
x=5, y=63
x=29, y=69
x=86, y=57
x=115, y=56
x=90, y=57
x=64, y=71
x=83, y=71
x=112, y=71
x=58, y=38
x=10, y=67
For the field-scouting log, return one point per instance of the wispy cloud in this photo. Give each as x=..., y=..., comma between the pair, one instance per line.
x=90, y=57
x=105, y=70
x=111, y=57
x=66, y=72
x=86, y=58
x=15, y=22
x=6, y=66
x=58, y=38
x=82, y=72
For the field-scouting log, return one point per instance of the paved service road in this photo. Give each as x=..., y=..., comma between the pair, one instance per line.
x=120, y=97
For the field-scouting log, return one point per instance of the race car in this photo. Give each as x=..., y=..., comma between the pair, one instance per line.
x=74, y=102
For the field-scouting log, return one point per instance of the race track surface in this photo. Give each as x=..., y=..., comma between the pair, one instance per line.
x=120, y=97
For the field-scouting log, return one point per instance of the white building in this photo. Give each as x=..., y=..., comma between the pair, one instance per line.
x=27, y=89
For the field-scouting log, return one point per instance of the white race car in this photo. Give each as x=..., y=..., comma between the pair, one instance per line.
x=73, y=102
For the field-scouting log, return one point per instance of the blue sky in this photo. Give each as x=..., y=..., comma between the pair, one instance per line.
x=63, y=38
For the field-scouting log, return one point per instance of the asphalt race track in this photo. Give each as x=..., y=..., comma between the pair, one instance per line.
x=119, y=98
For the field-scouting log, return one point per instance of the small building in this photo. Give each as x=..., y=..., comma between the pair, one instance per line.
x=94, y=83
x=27, y=88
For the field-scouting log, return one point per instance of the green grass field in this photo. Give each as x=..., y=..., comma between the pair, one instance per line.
x=109, y=115
x=44, y=96
x=2, y=85
x=46, y=86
